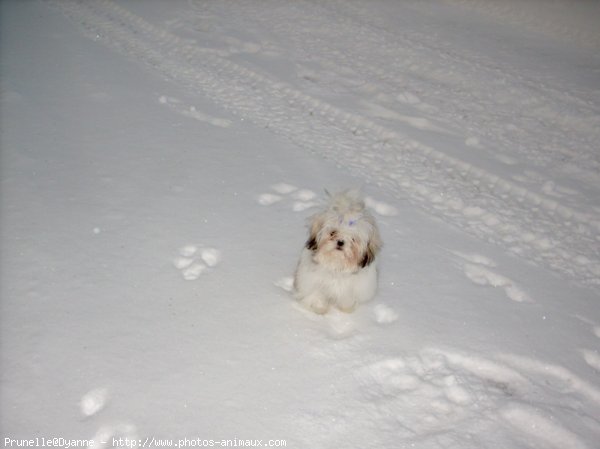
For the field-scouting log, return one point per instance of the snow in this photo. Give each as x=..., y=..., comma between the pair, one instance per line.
x=93, y=401
x=159, y=162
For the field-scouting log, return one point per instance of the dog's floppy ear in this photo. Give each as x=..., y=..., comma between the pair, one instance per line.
x=373, y=248
x=311, y=243
x=316, y=223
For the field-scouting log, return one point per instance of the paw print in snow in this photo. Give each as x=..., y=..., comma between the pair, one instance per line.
x=192, y=261
x=381, y=208
x=302, y=198
x=481, y=271
x=93, y=401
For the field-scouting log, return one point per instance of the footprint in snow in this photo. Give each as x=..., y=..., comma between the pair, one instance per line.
x=106, y=434
x=384, y=314
x=301, y=199
x=193, y=261
x=479, y=270
x=93, y=401
x=422, y=390
x=430, y=391
x=381, y=208
x=592, y=358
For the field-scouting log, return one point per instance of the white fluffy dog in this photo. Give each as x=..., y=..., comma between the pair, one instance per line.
x=337, y=265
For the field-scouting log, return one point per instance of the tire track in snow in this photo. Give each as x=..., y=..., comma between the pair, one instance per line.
x=480, y=202
x=536, y=100
x=417, y=60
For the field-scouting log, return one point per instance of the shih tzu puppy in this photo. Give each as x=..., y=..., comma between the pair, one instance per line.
x=337, y=265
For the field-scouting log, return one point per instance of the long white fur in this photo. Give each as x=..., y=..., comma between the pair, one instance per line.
x=332, y=276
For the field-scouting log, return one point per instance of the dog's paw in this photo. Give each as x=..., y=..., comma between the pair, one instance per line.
x=346, y=306
x=320, y=309
x=315, y=303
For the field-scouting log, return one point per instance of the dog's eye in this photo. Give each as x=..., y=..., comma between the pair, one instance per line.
x=332, y=234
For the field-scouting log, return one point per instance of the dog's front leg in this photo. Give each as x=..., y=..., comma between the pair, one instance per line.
x=316, y=302
x=346, y=304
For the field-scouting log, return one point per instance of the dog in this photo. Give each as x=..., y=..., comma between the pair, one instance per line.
x=337, y=265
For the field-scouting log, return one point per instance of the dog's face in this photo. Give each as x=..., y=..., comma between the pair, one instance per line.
x=344, y=242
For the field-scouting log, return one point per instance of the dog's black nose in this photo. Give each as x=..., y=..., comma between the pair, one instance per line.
x=340, y=243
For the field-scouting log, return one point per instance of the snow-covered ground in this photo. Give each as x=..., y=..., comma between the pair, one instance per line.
x=160, y=159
